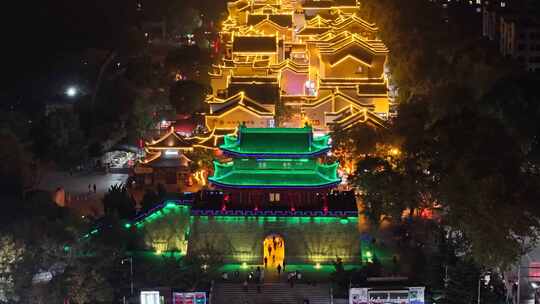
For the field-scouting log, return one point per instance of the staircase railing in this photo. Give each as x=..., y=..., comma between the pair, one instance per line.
x=211, y=292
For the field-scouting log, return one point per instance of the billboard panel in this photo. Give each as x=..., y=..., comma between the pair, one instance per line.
x=189, y=297
x=407, y=295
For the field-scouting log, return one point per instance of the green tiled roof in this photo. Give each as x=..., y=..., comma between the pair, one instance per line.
x=232, y=175
x=296, y=142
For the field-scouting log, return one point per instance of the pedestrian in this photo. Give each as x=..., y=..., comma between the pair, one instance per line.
x=89, y=188
x=269, y=249
x=245, y=284
x=273, y=259
x=278, y=269
x=283, y=267
x=258, y=275
x=265, y=262
x=94, y=188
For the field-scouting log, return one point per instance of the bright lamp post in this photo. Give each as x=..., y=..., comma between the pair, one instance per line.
x=130, y=260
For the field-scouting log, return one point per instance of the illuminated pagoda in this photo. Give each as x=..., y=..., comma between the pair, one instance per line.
x=275, y=165
x=272, y=185
x=165, y=160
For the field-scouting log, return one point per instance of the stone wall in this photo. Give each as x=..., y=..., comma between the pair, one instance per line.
x=240, y=238
x=307, y=239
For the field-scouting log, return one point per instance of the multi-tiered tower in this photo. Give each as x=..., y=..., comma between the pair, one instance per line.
x=272, y=166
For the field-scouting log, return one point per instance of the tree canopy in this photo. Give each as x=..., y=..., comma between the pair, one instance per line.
x=467, y=133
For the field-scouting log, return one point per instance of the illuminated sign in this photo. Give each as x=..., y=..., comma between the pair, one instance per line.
x=150, y=297
x=189, y=298
x=407, y=295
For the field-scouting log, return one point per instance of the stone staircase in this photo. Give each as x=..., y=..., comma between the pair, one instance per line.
x=271, y=293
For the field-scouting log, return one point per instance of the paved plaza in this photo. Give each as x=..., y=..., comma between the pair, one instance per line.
x=78, y=194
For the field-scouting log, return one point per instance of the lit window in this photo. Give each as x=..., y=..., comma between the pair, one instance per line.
x=274, y=197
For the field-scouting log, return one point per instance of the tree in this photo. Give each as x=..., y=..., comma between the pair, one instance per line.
x=16, y=166
x=142, y=119
x=187, y=96
x=11, y=254
x=86, y=285
x=283, y=113
x=183, y=20
x=147, y=111
x=118, y=203
x=351, y=145
x=202, y=159
x=466, y=128
x=200, y=267
x=58, y=137
x=150, y=200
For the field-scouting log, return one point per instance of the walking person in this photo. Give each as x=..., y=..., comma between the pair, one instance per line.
x=89, y=188
x=279, y=270
x=273, y=259
x=265, y=262
x=269, y=249
x=94, y=188
x=258, y=275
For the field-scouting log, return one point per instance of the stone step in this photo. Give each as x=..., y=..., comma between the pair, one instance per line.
x=271, y=293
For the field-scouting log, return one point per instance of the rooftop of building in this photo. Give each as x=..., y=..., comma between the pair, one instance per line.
x=254, y=44
x=322, y=176
x=275, y=142
x=265, y=93
x=318, y=4
x=310, y=31
x=239, y=99
x=283, y=20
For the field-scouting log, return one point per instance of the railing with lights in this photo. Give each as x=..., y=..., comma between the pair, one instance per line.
x=296, y=213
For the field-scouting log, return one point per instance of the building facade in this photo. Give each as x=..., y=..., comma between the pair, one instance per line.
x=272, y=205
x=317, y=58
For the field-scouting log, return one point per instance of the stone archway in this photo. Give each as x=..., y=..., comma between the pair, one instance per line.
x=273, y=250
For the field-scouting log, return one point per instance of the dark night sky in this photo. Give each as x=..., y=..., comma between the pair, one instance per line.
x=38, y=34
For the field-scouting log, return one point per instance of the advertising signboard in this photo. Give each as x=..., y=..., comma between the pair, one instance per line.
x=150, y=297
x=407, y=295
x=189, y=297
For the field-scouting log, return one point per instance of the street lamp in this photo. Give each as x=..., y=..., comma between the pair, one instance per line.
x=130, y=260
x=486, y=277
x=72, y=91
